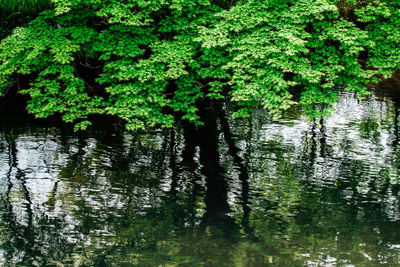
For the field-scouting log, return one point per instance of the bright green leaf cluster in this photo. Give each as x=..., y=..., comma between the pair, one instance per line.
x=155, y=58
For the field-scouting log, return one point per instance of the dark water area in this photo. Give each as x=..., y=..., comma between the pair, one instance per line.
x=254, y=192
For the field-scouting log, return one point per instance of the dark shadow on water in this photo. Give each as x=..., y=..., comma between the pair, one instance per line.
x=216, y=198
x=216, y=218
x=242, y=169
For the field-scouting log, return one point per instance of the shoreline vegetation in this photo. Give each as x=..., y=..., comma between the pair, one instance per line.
x=152, y=62
x=24, y=6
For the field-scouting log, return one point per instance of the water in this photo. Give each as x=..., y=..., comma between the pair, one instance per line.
x=254, y=192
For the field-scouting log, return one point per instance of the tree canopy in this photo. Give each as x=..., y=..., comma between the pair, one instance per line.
x=144, y=60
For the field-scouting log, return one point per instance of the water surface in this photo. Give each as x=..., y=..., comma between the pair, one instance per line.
x=254, y=192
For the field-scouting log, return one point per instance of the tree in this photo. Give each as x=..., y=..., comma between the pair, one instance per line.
x=149, y=59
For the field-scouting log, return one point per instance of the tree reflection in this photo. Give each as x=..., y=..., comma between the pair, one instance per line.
x=244, y=193
x=28, y=236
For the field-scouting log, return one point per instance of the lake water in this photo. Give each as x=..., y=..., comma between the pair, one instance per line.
x=255, y=192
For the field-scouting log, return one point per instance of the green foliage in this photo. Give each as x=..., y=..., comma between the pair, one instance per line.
x=160, y=57
x=15, y=13
x=23, y=5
